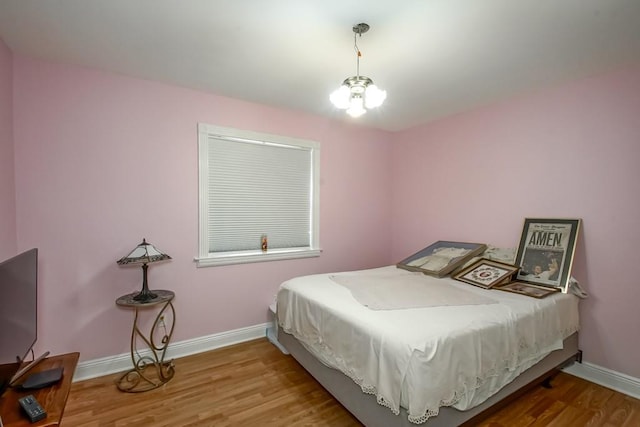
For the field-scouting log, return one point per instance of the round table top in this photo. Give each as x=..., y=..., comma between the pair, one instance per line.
x=161, y=296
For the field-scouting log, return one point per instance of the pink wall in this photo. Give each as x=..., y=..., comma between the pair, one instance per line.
x=571, y=152
x=104, y=160
x=8, y=242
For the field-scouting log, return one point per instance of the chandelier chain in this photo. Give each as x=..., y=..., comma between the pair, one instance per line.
x=358, y=53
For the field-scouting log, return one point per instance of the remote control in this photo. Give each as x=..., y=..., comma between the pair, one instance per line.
x=32, y=408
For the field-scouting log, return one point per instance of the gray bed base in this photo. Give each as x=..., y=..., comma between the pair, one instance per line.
x=365, y=408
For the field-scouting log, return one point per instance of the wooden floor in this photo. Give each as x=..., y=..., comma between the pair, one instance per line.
x=254, y=384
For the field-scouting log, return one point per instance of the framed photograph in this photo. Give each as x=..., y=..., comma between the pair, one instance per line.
x=441, y=257
x=487, y=273
x=546, y=250
x=528, y=289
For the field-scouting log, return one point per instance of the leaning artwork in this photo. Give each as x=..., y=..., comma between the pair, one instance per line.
x=546, y=251
x=486, y=273
x=441, y=257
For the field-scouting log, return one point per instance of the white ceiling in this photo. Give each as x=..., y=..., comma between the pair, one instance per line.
x=434, y=57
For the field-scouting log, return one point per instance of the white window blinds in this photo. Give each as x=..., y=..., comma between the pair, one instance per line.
x=256, y=185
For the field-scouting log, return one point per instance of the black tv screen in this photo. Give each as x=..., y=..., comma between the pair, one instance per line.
x=18, y=312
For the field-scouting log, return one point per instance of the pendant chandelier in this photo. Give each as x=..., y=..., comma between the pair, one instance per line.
x=358, y=93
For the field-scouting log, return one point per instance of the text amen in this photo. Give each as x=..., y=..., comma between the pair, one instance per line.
x=543, y=238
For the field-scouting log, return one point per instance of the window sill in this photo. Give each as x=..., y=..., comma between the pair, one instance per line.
x=255, y=256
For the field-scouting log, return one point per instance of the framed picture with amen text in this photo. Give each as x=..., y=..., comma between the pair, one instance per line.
x=546, y=250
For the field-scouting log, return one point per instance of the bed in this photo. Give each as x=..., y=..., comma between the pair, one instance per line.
x=399, y=348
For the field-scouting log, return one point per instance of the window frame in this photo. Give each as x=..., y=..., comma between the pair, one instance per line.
x=208, y=259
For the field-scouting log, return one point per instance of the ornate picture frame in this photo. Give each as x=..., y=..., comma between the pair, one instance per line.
x=528, y=289
x=442, y=257
x=546, y=251
x=487, y=273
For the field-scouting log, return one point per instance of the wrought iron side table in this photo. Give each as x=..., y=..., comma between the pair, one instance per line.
x=150, y=370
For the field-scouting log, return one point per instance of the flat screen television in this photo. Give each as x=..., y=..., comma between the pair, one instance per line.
x=18, y=312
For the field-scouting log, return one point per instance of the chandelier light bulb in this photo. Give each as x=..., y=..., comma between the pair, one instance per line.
x=356, y=109
x=341, y=97
x=374, y=97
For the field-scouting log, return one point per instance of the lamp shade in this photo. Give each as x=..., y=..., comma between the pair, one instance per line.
x=374, y=97
x=341, y=97
x=144, y=253
x=356, y=107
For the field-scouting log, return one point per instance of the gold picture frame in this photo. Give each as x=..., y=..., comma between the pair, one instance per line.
x=487, y=273
x=442, y=257
x=529, y=289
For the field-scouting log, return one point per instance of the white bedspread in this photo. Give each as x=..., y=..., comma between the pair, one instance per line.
x=425, y=358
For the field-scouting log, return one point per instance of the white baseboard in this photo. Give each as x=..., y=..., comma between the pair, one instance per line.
x=122, y=362
x=606, y=377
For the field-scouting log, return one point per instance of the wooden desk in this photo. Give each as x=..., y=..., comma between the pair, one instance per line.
x=53, y=398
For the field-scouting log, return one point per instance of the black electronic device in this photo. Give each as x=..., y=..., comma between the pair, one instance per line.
x=42, y=379
x=18, y=315
x=32, y=408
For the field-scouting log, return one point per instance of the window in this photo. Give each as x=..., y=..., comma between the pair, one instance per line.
x=254, y=185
